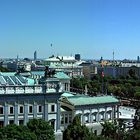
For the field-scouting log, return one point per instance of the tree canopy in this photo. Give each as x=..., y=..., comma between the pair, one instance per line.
x=76, y=131
x=35, y=130
x=41, y=129
x=128, y=86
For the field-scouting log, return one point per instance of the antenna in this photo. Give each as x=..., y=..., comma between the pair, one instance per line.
x=17, y=62
x=113, y=57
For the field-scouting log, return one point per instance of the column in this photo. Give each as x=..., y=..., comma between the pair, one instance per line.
x=90, y=115
x=82, y=116
x=44, y=87
x=112, y=113
x=46, y=111
x=64, y=121
x=34, y=88
x=68, y=86
x=35, y=110
x=5, y=114
x=117, y=111
x=16, y=113
x=25, y=113
x=58, y=116
x=98, y=116
x=105, y=113
x=68, y=118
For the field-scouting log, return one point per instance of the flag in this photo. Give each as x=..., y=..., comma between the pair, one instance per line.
x=103, y=71
x=103, y=74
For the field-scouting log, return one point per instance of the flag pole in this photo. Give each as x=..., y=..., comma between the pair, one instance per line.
x=102, y=79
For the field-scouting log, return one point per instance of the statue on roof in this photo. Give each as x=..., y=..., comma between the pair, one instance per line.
x=49, y=73
x=19, y=70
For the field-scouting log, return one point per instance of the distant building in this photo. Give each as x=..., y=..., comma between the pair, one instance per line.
x=138, y=59
x=77, y=57
x=35, y=55
x=67, y=64
x=89, y=69
x=119, y=71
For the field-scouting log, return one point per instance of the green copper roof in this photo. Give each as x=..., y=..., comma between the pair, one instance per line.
x=40, y=73
x=11, y=78
x=7, y=73
x=66, y=94
x=86, y=100
x=30, y=81
x=61, y=75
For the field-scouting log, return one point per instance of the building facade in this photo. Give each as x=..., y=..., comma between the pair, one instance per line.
x=20, y=101
x=92, y=110
x=66, y=64
x=23, y=99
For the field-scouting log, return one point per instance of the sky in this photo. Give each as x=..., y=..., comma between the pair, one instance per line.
x=93, y=28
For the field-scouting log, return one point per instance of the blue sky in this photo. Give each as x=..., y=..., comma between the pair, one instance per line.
x=93, y=28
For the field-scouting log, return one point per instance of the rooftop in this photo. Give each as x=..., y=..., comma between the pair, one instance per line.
x=10, y=78
x=87, y=100
x=59, y=75
x=64, y=58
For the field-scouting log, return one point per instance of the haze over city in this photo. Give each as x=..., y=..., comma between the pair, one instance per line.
x=93, y=28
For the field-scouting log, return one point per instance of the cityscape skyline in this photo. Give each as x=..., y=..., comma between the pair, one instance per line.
x=91, y=28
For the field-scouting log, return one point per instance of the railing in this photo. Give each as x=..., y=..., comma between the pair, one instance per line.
x=26, y=89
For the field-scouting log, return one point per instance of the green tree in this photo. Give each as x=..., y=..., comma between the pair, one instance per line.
x=76, y=131
x=2, y=69
x=109, y=129
x=132, y=73
x=14, y=132
x=42, y=129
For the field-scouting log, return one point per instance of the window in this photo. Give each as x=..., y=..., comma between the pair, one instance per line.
x=52, y=123
x=30, y=109
x=21, y=122
x=1, y=110
x=95, y=132
x=66, y=119
x=62, y=120
x=21, y=109
x=1, y=124
x=70, y=118
x=39, y=109
x=11, y=121
x=11, y=110
x=52, y=108
x=65, y=86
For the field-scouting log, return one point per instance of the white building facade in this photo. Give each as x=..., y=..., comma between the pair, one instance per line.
x=92, y=110
x=20, y=102
x=67, y=64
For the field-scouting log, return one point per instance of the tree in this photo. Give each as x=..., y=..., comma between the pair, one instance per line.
x=14, y=132
x=76, y=131
x=2, y=69
x=42, y=129
x=109, y=129
x=36, y=129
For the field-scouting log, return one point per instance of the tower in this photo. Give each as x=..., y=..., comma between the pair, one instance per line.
x=113, y=58
x=77, y=57
x=35, y=55
x=138, y=59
